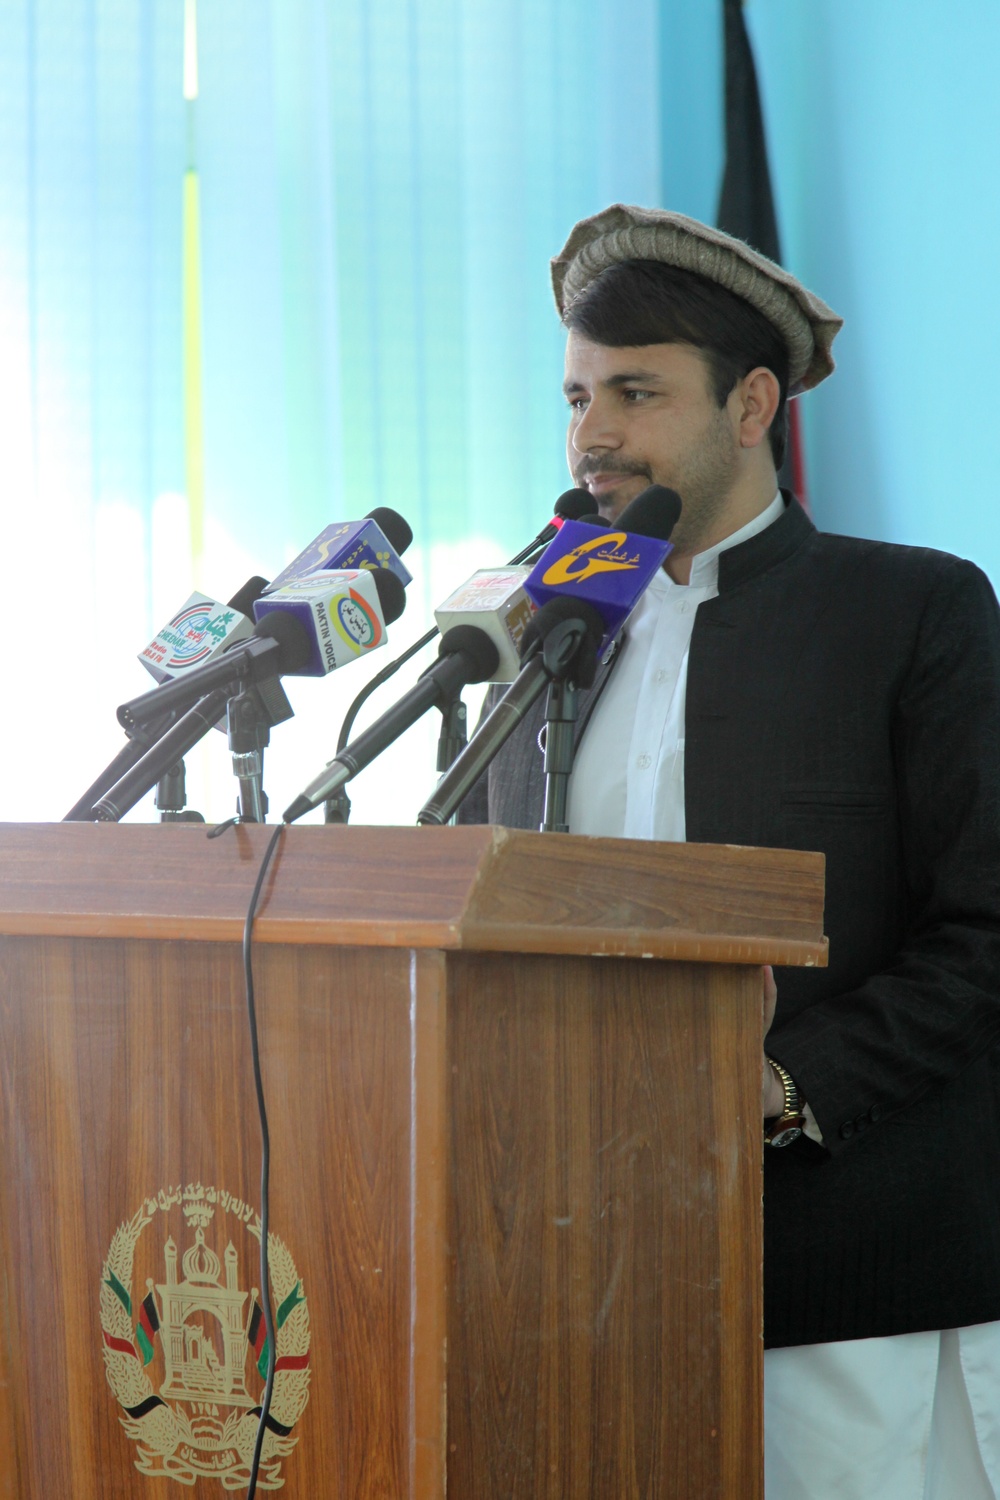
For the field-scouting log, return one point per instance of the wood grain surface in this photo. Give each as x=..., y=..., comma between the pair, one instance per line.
x=476, y=888
x=125, y=1071
x=605, y=1325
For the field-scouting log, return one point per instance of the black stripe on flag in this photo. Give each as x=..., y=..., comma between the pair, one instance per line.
x=144, y=1406
x=272, y=1424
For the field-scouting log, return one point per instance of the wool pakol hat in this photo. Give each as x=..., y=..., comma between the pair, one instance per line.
x=622, y=232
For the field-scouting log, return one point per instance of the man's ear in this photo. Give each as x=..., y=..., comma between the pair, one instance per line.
x=759, y=394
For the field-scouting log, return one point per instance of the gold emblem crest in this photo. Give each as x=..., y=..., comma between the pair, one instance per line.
x=187, y=1358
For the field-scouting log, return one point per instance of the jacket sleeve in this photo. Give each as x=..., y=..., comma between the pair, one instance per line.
x=935, y=1008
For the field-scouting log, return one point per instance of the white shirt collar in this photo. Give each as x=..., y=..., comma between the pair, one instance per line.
x=705, y=565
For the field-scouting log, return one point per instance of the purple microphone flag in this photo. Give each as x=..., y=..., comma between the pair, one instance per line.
x=609, y=569
x=341, y=547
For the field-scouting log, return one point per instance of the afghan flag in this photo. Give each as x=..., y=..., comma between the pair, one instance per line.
x=257, y=1338
x=746, y=202
x=149, y=1327
x=257, y=1335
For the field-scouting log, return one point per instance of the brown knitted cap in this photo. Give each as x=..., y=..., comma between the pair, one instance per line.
x=621, y=232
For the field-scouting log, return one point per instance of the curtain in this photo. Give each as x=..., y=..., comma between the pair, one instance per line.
x=378, y=189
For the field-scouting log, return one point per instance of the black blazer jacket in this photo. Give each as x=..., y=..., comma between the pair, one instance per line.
x=844, y=695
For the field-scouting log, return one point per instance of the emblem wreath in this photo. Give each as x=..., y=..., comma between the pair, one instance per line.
x=168, y=1443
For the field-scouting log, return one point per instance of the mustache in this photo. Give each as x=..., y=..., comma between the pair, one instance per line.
x=588, y=467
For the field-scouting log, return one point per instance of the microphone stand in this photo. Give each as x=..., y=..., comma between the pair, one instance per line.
x=547, y=662
x=161, y=757
x=560, y=728
x=249, y=718
x=158, y=760
x=170, y=797
x=454, y=733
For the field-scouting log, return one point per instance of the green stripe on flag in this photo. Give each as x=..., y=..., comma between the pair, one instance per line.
x=120, y=1292
x=289, y=1305
x=262, y=1362
x=144, y=1344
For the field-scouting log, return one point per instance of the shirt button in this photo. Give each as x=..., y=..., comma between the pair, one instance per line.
x=682, y=608
x=644, y=762
x=661, y=676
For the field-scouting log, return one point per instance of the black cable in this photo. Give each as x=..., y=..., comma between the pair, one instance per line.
x=265, y=1157
x=376, y=682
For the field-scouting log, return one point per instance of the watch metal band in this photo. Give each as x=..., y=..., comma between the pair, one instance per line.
x=787, y=1127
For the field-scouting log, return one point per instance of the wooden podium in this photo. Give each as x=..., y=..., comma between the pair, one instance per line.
x=514, y=1092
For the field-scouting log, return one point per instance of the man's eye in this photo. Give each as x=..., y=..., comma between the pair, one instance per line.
x=577, y=403
x=635, y=396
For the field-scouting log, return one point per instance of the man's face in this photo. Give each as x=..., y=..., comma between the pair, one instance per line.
x=647, y=415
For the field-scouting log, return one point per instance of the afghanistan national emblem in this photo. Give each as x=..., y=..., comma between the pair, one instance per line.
x=187, y=1360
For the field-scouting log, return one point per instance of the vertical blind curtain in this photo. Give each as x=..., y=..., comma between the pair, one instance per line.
x=381, y=187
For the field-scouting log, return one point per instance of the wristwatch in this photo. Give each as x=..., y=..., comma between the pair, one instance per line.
x=786, y=1127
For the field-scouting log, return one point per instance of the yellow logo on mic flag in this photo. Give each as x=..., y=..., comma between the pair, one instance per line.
x=600, y=554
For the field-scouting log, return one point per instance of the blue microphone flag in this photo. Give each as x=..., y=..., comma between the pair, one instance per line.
x=609, y=569
x=343, y=546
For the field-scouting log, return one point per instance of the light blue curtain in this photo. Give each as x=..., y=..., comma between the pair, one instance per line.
x=382, y=186
x=885, y=138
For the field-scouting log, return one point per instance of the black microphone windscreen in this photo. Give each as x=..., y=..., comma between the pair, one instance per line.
x=476, y=645
x=654, y=513
x=556, y=611
x=573, y=504
x=245, y=598
x=593, y=520
x=391, y=593
x=396, y=531
x=291, y=635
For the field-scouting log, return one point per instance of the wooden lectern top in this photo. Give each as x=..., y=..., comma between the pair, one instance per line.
x=476, y=888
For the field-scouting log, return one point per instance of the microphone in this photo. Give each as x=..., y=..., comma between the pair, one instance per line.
x=372, y=543
x=142, y=739
x=466, y=655
x=612, y=569
x=344, y=614
x=574, y=503
x=645, y=526
x=200, y=629
x=563, y=643
x=654, y=512
x=494, y=600
x=571, y=506
x=317, y=625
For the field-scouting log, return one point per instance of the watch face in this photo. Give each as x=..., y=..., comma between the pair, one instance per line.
x=785, y=1137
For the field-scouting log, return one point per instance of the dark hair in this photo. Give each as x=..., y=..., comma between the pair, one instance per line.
x=636, y=302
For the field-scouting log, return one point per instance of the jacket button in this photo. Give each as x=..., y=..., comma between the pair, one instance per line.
x=847, y=1130
x=875, y=1113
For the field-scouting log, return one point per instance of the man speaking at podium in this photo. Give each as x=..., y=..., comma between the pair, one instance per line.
x=780, y=687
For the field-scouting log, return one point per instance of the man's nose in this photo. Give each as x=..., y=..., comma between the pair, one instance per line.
x=596, y=428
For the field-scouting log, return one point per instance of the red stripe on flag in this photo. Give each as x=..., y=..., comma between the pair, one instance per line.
x=122, y=1345
x=292, y=1362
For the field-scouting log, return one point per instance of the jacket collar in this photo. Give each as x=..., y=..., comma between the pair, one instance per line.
x=737, y=565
